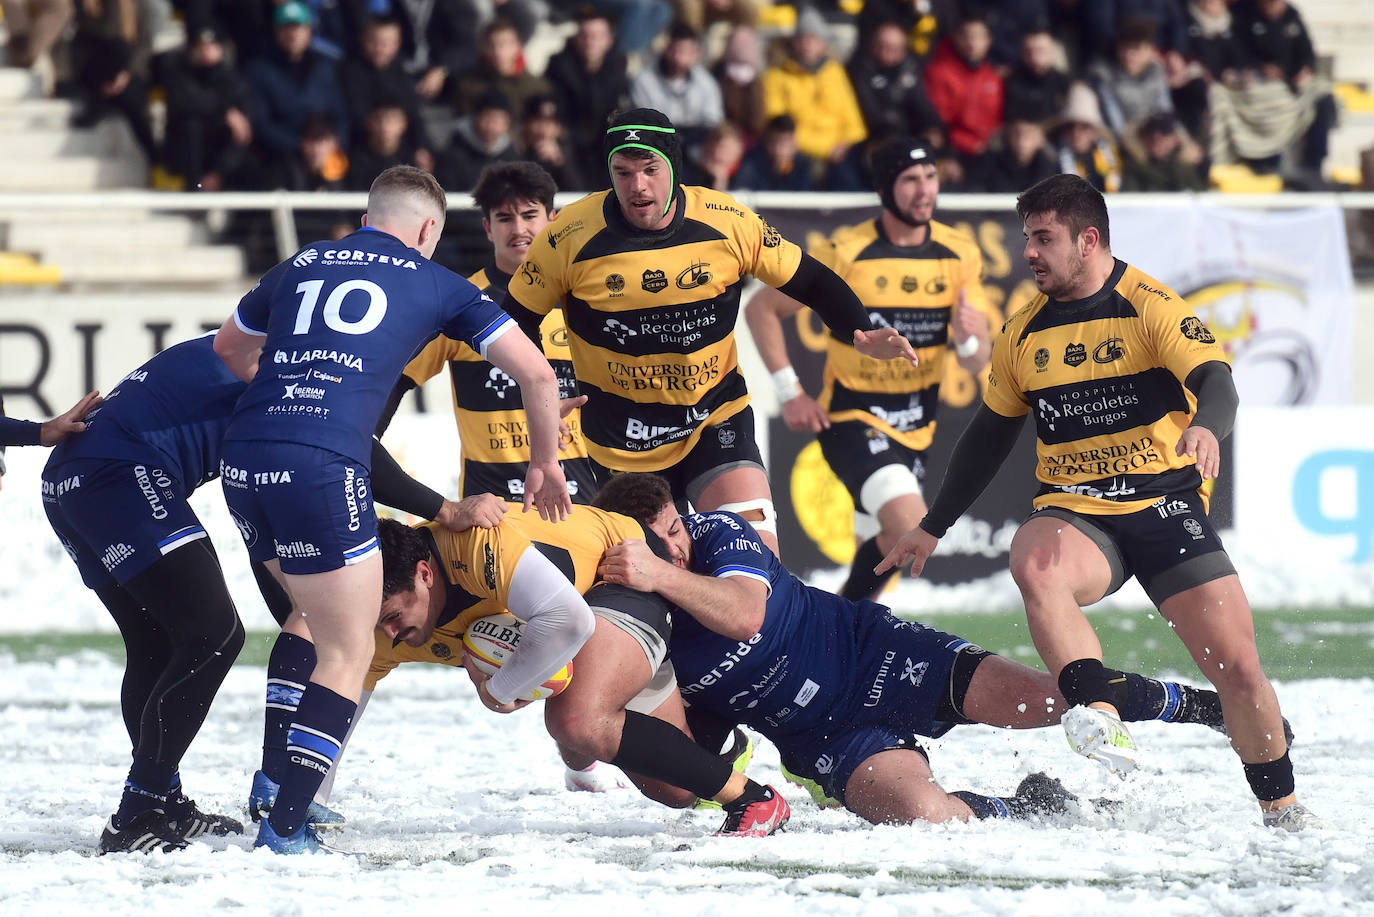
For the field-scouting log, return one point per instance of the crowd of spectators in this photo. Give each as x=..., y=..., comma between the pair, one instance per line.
x=1137, y=95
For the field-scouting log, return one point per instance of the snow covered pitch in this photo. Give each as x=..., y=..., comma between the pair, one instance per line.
x=457, y=810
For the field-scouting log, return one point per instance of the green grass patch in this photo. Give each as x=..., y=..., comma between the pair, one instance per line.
x=1294, y=645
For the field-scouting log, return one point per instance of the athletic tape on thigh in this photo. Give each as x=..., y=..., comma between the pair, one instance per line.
x=769, y=522
x=887, y=483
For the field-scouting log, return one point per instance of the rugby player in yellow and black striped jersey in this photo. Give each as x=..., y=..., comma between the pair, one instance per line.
x=1130, y=395
x=516, y=200
x=649, y=275
x=876, y=419
x=622, y=705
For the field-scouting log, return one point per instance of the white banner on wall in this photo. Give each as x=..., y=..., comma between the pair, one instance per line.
x=1275, y=288
x=1305, y=483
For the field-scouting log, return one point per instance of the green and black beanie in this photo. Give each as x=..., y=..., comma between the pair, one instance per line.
x=645, y=129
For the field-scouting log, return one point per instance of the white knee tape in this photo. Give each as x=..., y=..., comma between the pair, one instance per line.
x=887, y=483
x=865, y=526
x=769, y=522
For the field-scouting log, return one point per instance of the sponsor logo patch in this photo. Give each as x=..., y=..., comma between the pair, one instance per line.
x=654, y=281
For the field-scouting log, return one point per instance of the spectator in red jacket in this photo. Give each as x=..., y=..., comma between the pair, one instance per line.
x=965, y=88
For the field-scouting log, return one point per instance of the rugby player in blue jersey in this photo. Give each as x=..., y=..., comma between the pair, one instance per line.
x=117, y=498
x=334, y=326
x=842, y=687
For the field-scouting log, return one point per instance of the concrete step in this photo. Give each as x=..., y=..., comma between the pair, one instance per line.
x=203, y=264
x=19, y=84
x=49, y=232
x=29, y=114
x=48, y=142
x=72, y=173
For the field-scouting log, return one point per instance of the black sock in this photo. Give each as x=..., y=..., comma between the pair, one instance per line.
x=863, y=583
x=1087, y=681
x=661, y=751
x=711, y=731
x=147, y=787
x=1270, y=780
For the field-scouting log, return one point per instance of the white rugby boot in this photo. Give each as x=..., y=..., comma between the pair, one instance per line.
x=1293, y=817
x=599, y=777
x=1100, y=735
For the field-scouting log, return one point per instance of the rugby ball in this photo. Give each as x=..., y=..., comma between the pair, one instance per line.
x=490, y=641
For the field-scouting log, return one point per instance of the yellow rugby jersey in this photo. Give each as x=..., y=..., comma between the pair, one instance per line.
x=493, y=438
x=1104, y=379
x=913, y=289
x=478, y=565
x=651, y=317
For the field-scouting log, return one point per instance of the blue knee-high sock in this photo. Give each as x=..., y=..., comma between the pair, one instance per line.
x=146, y=788
x=312, y=744
x=985, y=806
x=288, y=672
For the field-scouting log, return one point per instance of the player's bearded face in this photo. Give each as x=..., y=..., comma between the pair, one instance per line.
x=1053, y=256
x=915, y=191
x=642, y=188
x=668, y=526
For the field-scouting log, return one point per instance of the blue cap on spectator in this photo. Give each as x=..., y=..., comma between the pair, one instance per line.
x=293, y=12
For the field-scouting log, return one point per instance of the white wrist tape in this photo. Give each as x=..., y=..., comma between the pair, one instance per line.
x=969, y=347
x=786, y=384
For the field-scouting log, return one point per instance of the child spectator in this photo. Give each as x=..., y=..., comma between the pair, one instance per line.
x=1160, y=157
x=1083, y=145
x=777, y=164
x=1133, y=86
x=291, y=83
x=890, y=88
x=1036, y=88
x=1021, y=159
x=316, y=163
x=965, y=89
x=721, y=152
x=376, y=76
x=1007, y=22
x=588, y=80
x=543, y=139
x=385, y=144
x=679, y=86
x=500, y=68
x=480, y=139
x=813, y=88
x=209, y=136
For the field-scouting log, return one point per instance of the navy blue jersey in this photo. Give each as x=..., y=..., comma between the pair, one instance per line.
x=16, y=432
x=798, y=669
x=177, y=404
x=341, y=320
